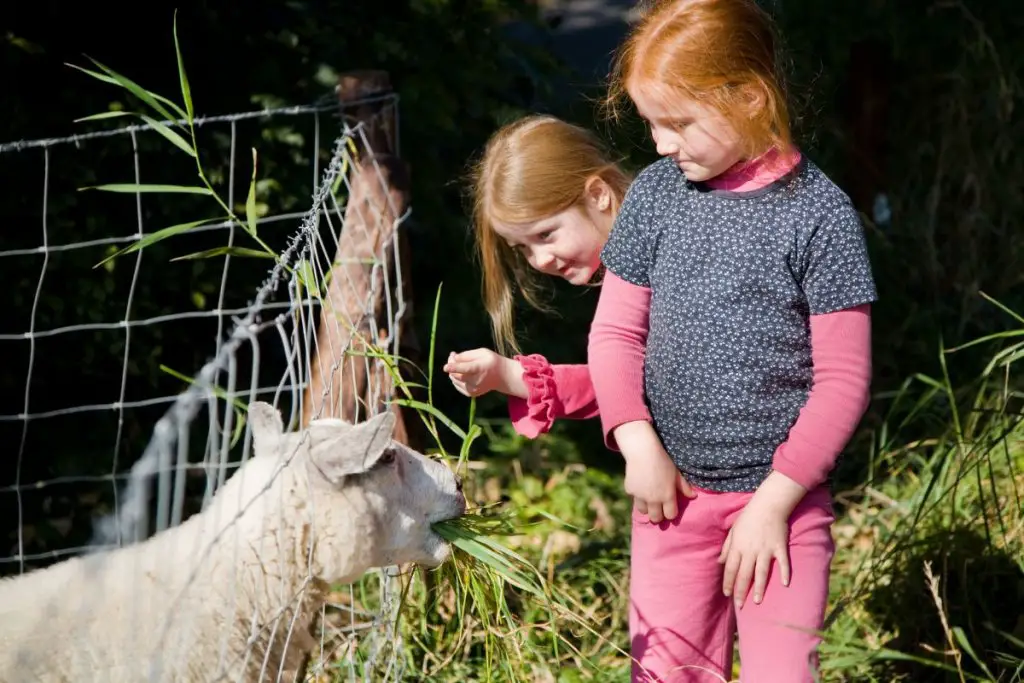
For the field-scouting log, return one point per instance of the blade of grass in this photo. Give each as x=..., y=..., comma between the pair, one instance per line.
x=156, y=237
x=152, y=99
x=104, y=115
x=186, y=91
x=143, y=187
x=164, y=130
x=250, y=200
x=222, y=251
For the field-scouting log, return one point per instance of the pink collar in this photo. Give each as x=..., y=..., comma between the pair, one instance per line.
x=758, y=172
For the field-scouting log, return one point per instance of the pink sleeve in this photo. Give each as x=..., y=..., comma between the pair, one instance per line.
x=618, y=339
x=555, y=392
x=840, y=393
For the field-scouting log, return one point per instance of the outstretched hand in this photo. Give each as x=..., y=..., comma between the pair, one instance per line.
x=479, y=371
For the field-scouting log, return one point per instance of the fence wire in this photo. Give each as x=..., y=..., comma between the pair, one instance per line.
x=264, y=346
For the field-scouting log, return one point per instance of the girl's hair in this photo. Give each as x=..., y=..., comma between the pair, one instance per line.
x=719, y=52
x=532, y=168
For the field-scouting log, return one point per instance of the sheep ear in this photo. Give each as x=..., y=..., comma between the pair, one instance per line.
x=343, y=449
x=266, y=427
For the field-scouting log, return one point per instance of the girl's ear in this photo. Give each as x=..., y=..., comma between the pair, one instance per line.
x=598, y=194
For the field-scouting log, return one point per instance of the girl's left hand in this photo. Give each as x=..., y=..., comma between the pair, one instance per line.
x=759, y=535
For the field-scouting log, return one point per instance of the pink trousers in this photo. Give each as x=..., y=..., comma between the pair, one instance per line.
x=682, y=626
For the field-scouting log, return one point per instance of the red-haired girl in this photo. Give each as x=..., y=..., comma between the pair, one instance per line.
x=731, y=346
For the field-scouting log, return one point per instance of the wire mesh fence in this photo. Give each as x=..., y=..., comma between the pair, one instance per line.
x=144, y=444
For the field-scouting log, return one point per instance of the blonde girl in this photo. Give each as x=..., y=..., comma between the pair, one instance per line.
x=545, y=194
x=731, y=345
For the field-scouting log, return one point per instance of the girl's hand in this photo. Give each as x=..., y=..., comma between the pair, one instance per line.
x=760, y=535
x=651, y=476
x=479, y=371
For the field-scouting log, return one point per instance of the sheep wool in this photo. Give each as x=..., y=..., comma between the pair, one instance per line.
x=231, y=594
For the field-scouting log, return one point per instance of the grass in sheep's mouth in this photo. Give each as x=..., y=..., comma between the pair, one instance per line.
x=471, y=535
x=479, y=573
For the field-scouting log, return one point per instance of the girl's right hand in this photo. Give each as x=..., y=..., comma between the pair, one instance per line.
x=479, y=371
x=651, y=476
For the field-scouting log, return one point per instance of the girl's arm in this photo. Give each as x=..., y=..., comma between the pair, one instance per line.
x=618, y=340
x=839, y=395
x=552, y=392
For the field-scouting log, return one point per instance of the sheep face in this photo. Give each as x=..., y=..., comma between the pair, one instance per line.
x=359, y=471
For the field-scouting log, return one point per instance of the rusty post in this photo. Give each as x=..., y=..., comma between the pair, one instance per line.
x=344, y=384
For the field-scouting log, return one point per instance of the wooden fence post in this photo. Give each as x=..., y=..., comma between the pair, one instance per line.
x=344, y=384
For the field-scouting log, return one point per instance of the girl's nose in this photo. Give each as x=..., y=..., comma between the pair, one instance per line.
x=666, y=146
x=544, y=260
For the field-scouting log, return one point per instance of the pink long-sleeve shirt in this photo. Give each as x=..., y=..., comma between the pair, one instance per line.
x=840, y=349
x=840, y=344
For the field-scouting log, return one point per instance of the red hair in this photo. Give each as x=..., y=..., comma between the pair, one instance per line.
x=720, y=53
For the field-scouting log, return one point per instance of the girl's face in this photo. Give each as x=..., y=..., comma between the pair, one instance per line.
x=567, y=244
x=700, y=140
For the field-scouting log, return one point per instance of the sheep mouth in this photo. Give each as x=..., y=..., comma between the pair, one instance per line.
x=437, y=546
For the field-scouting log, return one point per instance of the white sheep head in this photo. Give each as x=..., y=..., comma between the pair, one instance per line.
x=361, y=480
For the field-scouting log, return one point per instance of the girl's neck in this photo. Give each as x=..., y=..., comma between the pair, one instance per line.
x=752, y=174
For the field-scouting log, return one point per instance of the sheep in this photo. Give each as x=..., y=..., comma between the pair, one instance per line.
x=231, y=593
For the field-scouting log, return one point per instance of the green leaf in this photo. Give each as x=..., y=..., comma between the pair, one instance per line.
x=424, y=407
x=306, y=276
x=222, y=251
x=156, y=237
x=152, y=99
x=104, y=115
x=142, y=187
x=169, y=134
x=186, y=91
x=250, y=201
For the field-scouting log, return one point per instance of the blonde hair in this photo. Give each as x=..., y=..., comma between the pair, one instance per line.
x=532, y=168
x=719, y=52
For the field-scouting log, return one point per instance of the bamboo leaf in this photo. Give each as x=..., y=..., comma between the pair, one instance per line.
x=250, y=201
x=420, y=405
x=142, y=187
x=186, y=91
x=104, y=115
x=152, y=99
x=156, y=237
x=225, y=251
x=169, y=134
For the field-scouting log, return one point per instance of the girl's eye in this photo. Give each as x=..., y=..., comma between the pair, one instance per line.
x=546, y=234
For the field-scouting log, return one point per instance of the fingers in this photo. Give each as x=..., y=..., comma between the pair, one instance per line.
x=640, y=505
x=460, y=386
x=782, y=558
x=764, y=563
x=670, y=507
x=744, y=572
x=684, y=486
x=655, y=511
x=462, y=363
x=725, y=549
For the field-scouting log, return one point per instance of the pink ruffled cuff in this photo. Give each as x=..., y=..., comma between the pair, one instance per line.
x=535, y=415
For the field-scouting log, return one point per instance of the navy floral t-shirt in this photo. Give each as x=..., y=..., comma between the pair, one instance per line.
x=734, y=277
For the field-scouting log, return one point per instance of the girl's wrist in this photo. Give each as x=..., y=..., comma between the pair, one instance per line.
x=512, y=378
x=779, y=494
